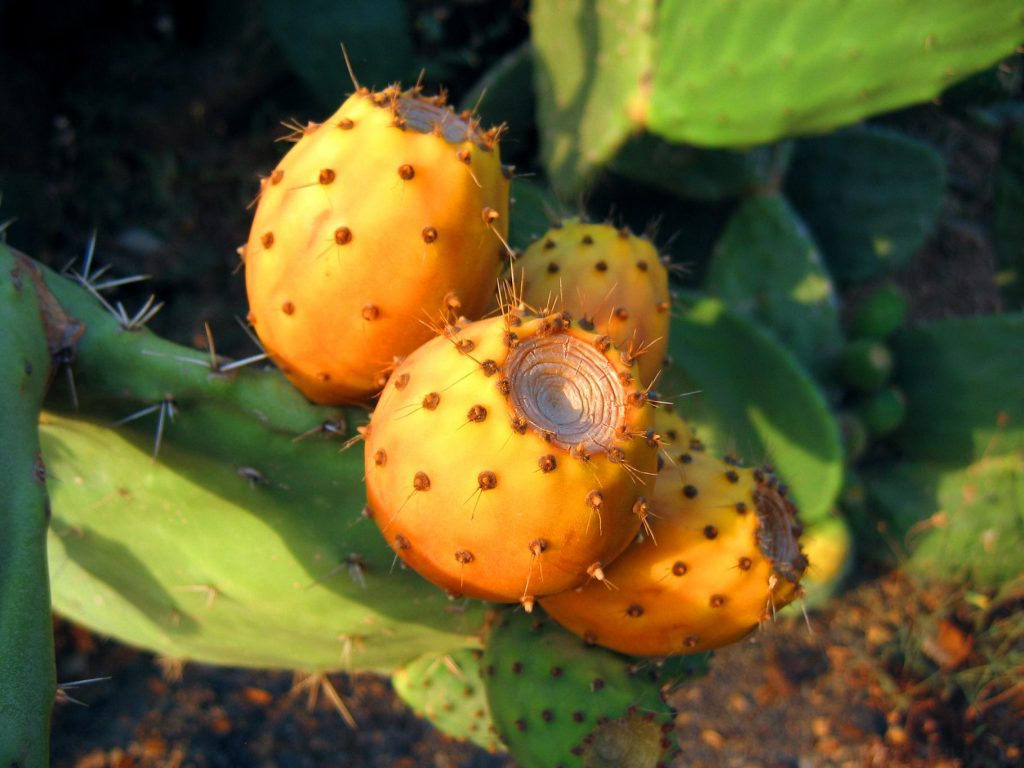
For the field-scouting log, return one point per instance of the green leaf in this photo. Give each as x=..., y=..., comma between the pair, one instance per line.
x=533, y=211
x=870, y=196
x=592, y=58
x=310, y=34
x=754, y=398
x=766, y=267
x=964, y=383
x=740, y=73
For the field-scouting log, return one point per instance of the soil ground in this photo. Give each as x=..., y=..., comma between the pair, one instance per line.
x=151, y=128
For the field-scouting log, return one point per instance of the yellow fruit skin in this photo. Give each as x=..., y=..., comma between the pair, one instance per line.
x=700, y=579
x=508, y=513
x=364, y=231
x=608, y=275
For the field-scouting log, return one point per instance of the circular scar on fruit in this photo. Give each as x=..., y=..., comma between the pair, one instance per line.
x=566, y=388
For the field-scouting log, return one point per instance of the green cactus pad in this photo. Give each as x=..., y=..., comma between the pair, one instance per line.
x=751, y=397
x=504, y=95
x=881, y=314
x=724, y=74
x=1008, y=224
x=26, y=635
x=883, y=411
x=767, y=267
x=556, y=701
x=962, y=524
x=702, y=174
x=962, y=379
x=533, y=211
x=871, y=196
x=310, y=33
x=447, y=690
x=242, y=542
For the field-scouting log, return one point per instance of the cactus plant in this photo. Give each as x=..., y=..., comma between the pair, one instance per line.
x=607, y=275
x=392, y=212
x=506, y=456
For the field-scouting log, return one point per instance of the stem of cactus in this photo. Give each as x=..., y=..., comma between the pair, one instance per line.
x=27, y=672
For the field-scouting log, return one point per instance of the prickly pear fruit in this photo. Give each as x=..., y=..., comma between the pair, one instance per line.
x=392, y=211
x=507, y=458
x=720, y=555
x=608, y=275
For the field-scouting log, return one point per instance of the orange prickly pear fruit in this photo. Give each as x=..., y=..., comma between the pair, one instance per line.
x=608, y=275
x=392, y=211
x=505, y=458
x=719, y=556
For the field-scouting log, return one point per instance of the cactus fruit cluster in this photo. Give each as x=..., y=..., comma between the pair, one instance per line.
x=387, y=217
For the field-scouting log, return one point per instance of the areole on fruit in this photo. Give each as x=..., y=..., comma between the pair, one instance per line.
x=506, y=456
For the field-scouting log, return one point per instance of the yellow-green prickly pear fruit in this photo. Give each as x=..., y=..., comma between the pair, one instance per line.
x=608, y=275
x=507, y=457
x=391, y=212
x=719, y=556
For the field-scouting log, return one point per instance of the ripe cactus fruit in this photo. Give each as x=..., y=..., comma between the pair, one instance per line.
x=393, y=210
x=506, y=457
x=608, y=275
x=720, y=556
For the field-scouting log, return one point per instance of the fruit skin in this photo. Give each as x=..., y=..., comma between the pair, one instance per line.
x=720, y=556
x=606, y=274
x=487, y=498
x=391, y=212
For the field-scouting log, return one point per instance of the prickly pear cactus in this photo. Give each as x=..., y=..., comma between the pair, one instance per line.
x=447, y=690
x=392, y=212
x=608, y=275
x=557, y=702
x=506, y=457
x=718, y=557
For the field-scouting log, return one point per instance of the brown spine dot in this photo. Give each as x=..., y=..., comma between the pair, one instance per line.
x=521, y=724
x=741, y=507
x=621, y=313
x=641, y=265
x=556, y=671
x=489, y=367
x=464, y=156
x=421, y=482
x=489, y=215
x=477, y=413
x=710, y=532
x=547, y=463
x=327, y=176
x=678, y=568
x=465, y=346
x=717, y=601
x=429, y=234
x=406, y=171
x=464, y=556
x=596, y=684
x=380, y=458
x=346, y=124
x=635, y=611
x=745, y=563
x=487, y=480
x=519, y=424
x=690, y=491
x=552, y=268
x=732, y=476
x=431, y=401
x=594, y=499
x=517, y=667
x=401, y=542
x=504, y=387
x=616, y=455
x=578, y=716
x=603, y=343
x=267, y=240
x=288, y=308
x=402, y=381
x=662, y=306
x=589, y=638
x=371, y=312
x=587, y=240
x=691, y=641
x=549, y=244
x=538, y=546
x=601, y=266
x=342, y=235
x=276, y=176
x=547, y=715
